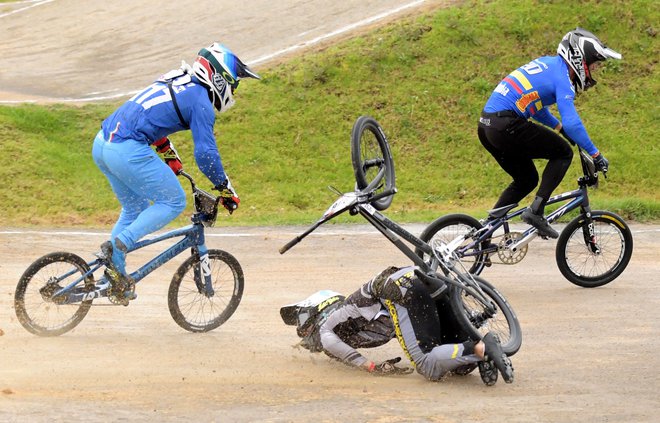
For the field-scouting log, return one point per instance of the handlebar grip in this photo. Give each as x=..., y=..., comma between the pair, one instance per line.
x=300, y=237
x=290, y=244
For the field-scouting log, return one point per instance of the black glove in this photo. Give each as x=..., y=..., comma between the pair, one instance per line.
x=388, y=367
x=228, y=197
x=601, y=163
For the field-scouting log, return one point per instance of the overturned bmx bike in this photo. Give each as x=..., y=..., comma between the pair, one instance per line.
x=477, y=306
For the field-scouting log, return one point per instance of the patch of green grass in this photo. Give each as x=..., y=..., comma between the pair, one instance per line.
x=425, y=79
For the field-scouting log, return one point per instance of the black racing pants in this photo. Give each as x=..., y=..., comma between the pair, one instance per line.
x=432, y=326
x=420, y=332
x=514, y=142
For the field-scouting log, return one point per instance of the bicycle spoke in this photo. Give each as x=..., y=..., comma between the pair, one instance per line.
x=35, y=308
x=476, y=313
x=194, y=310
x=583, y=261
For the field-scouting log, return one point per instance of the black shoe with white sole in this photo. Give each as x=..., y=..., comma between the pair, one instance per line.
x=539, y=223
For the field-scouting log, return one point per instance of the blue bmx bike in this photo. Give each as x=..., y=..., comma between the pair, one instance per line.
x=56, y=292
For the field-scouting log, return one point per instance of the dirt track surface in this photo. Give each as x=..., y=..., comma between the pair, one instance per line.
x=71, y=49
x=588, y=355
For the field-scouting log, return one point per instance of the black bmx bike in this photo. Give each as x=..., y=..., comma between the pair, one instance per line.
x=592, y=250
x=477, y=306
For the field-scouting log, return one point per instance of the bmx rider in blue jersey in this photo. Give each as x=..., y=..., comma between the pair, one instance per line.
x=147, y=187
x=527, y=92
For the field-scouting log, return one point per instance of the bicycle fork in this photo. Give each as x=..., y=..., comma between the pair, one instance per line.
x=202, y=272
x=589, y=232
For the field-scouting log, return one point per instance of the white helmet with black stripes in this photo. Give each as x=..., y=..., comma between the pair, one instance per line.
x=581, y=48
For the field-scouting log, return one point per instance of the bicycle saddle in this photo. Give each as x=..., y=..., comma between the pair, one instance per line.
x=436, y=286
x=501, y=211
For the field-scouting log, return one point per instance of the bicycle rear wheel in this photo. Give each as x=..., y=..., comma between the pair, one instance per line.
x=36, y=308
x=190, y=306
x=473, y=317
x=449, y=227
x=590, y=263
x=372, y=159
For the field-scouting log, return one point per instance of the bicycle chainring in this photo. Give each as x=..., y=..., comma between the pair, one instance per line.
x=505, y=254
x=119, y=289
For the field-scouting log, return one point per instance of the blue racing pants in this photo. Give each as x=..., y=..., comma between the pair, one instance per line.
x=147, y=189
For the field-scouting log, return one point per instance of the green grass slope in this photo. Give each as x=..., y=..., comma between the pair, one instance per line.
x=425, y=79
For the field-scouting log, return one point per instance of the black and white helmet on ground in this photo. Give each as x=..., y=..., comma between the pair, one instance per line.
x=581, y=48
x=220, y=71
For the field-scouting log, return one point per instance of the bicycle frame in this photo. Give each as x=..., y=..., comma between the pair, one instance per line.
x=578, y=198
x=192, y=237
x=359, y=203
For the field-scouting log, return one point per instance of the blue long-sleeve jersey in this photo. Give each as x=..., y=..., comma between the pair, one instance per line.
x=150, y=115
x=531, y=88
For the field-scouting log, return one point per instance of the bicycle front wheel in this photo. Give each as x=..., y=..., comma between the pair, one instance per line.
x=194, y=308
x=446, y=229
x=37, y=309
x=372, y=159
x=477, y=321
x=591, y=258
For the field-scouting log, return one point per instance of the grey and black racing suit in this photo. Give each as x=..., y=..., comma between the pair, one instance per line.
x=394, y=304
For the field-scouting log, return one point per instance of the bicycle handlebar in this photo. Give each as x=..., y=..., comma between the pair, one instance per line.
x=383, y=194
x=290, y=244
x=300, y=237
x=364, y=197
x=188, y=177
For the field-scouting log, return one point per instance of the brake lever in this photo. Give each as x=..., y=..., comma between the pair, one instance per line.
x=335, y=190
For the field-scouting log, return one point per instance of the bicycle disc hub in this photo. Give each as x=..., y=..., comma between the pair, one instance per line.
x=49, y=289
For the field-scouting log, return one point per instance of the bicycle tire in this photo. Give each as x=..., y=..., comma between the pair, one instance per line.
x=36, y=313
x=447, y=228
x=585, y=268
x=193, y=310
x=370, y=152
x=469, y=313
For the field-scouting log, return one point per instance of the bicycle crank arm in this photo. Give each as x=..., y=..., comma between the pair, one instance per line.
x=522, y=242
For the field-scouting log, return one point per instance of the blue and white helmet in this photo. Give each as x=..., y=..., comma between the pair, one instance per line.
x=580, y=48
x=220, y=71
